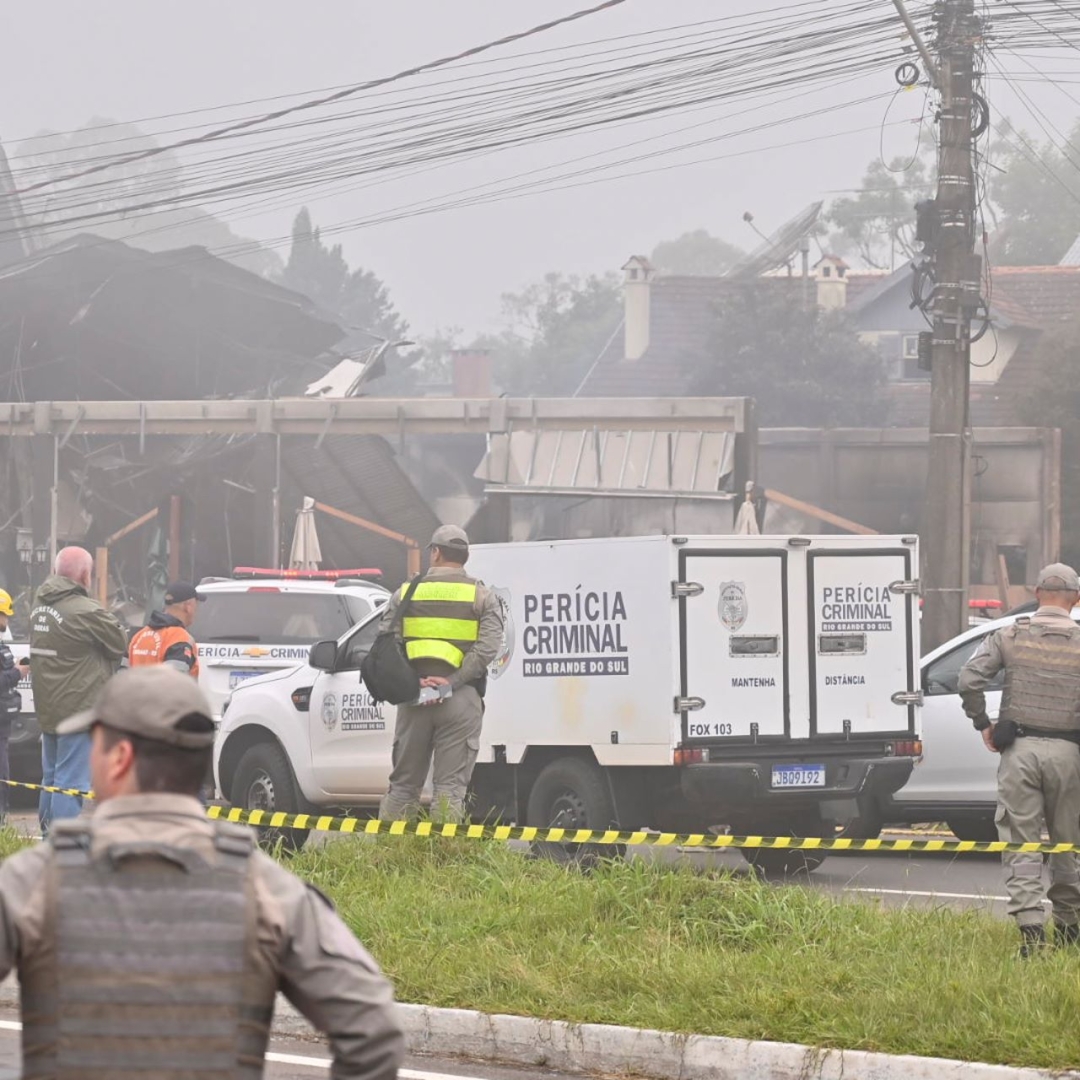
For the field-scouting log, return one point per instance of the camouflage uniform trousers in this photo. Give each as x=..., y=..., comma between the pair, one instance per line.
x=444, y=738
x=1039, y=781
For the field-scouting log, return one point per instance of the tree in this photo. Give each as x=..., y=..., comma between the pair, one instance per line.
x=696, y=254
x=556, y=329
x=412, y=372
x=1031, y=203
x=803, y=368
x=1051, y=398
x=1036, y=199
x=360, y=301
x=878, y=223
x=50, y=211
x=357, y=297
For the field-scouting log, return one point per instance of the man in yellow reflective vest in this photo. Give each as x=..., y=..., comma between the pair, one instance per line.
x=452, y=630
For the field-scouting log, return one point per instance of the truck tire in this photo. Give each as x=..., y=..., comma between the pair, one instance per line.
x=784, y=862
x=781, y=863
x=570, y=793
x=264, y=781
x=978, y=827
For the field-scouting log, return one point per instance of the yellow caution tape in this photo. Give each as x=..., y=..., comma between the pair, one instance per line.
x=531, y=834
x=610, y=837
x=53, y=790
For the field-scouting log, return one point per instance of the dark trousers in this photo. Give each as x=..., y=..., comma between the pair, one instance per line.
x=5, y=766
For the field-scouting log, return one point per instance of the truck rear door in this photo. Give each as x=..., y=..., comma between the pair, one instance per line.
x=733, y=624
x=863, y=642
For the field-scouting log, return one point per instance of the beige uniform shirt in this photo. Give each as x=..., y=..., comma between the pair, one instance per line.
x=489, y=640
x=323, y=970
x=992, y=655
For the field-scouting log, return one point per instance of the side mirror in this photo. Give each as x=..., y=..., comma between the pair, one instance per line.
x=323, y=656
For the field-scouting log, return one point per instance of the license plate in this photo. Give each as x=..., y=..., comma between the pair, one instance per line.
x=238, y=677
x=790, y=776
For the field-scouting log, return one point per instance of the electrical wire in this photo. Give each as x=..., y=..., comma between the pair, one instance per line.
x=338, y=95
x=486, y=107
x=298, y=174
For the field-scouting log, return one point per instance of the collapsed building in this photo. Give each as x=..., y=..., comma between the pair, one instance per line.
x=98, y=320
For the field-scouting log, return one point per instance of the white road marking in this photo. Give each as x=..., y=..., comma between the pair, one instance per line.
x=933, y=894
x=296, y=1059
x=311, y=1062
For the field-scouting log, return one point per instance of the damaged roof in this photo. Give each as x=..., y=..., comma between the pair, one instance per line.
x=102, y=319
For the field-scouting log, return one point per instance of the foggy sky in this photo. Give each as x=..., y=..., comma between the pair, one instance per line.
x=127, y=59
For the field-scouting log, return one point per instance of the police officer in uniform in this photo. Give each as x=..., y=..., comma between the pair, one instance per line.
x=166, y=638
x=452, y=630
x=11, y=674
x=150, y=941
x=1037, y=735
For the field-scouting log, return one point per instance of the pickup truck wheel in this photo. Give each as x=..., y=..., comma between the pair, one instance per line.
x=867, y=826
x=572, y=794
x=784, y=861
x=977, y=827
x=264, y=781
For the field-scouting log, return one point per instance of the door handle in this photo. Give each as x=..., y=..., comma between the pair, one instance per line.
x=689, y=704
x=907, y=697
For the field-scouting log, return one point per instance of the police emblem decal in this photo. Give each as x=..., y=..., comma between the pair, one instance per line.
x=733, y=605
x=502, y=661
x=329, y=711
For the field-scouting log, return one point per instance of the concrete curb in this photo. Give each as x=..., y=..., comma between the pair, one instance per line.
x=659, y=1055
x=600, y=1048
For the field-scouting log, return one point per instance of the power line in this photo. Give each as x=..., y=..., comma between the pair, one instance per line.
x=339, y=95
x=543, y=121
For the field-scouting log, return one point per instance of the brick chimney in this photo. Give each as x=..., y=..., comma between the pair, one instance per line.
x=637, y=287
x=471, y=373
x=831, y=273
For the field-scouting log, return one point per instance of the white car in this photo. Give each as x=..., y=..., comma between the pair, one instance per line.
x=956, y=780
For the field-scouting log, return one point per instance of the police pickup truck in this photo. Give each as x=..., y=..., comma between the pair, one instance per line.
x=767, y=684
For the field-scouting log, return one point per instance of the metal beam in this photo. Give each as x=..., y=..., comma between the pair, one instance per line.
x=818, y=513
x=373, y=416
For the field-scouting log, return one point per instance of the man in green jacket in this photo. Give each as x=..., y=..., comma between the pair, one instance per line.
x=75, y=647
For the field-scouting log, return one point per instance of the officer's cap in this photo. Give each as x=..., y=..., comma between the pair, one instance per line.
x=178, y=592
x=150, y=702
x=451, y=537
x=1057, y=577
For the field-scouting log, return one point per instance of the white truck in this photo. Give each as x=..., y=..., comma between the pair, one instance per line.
x=764, y=683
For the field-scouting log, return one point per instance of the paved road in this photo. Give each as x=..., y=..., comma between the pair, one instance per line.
x=962, y=881
x=300, y=1060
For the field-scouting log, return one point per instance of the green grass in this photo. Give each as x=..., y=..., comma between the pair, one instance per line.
x=476, y=926
x=11, y=840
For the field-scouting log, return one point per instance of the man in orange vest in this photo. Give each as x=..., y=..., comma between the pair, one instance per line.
x=165, y=638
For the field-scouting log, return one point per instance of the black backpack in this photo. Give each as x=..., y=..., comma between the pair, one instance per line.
x=386, y=671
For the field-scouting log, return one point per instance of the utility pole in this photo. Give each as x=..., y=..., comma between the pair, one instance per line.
x=949, y=236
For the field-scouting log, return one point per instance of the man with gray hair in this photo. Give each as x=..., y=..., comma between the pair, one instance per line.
x=1037, y=734
x=75, y=647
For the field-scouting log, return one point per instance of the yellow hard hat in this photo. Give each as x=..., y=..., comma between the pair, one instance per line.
x=6, y=606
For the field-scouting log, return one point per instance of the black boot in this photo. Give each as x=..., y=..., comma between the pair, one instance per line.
x=1034, y=941
x=1066, y=934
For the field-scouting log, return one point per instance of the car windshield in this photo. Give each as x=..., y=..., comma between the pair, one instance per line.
x=281, y=618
